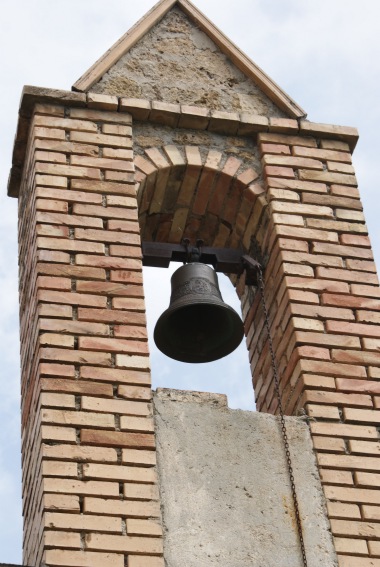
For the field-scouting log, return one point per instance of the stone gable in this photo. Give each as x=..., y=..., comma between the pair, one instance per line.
x=177, y=62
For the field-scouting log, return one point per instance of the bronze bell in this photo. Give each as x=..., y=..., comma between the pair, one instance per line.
x=197, y=326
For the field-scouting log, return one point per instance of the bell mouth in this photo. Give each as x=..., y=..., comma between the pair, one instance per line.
x=198, y=326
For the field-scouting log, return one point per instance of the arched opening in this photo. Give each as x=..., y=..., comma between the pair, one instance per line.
x=186, y=193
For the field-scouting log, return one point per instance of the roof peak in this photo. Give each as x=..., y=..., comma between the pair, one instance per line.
x=238, y=58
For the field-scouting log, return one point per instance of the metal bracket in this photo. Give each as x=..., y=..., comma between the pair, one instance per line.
x=226, y=260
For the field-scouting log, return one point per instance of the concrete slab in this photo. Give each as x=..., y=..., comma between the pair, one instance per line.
x=225, y=489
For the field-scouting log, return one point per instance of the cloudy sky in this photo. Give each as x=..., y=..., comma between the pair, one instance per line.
x=325, y=55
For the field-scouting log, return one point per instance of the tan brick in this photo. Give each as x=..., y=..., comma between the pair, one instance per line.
x=49, y=133
x=57, y=369
x=336, y=398
x=62, y=502
x=71, y=298
x=297, y=185
x=66, y=540
x=109, y=263
x=364, y=447
x=344, y=430
x=51, y=205
x=100, y=139
x=77, y=418
x=329, y=476
x=301, y=209
x=330, y=444
x=127, y=544
x=144, y=527
x=348, y=461
x=114, y=345
x=367, y=479
x=326, y=339
x=355, y=529
x=82, y=522
x=290, y=161
x=322, y=154
x=134, y=491
x=118, y=439
x=317, y=285
x=59, y=468
x=132, y=508
x=350, y=385
x=325, y=412
x=55, y=310
x=355, y=240
x=68, y=220
x=69, y=195
x=351, y=546
x=307, y=324
x=307, y=234
x=102, y=102
x=136, y=393
x=371, y=512
x=286, y=139
x=356, y=495
x=54, y=433
x=339, y=226
x=115, y=375
x=57, y=400
x=351, y=301
x=277, y=149
x=341, y=510
x=356, y=357
x=122, y=407
x=76, y=387
x=353, y=328
x=143, y=424
x=100, y=115
x=90, y=488
x=355, y=561
x=70, y=245
x=46, y=282
x=277, y=171
x=133, y=362
x=327, y=177
x=122, y=473
x=80, y=453
x=52, y=339
x=63, y=557
x=74, y=327
x=111, y=316
x=140, y=561
x=66, y=123
x=107, y=187
x=139, y=457
x=374, y=549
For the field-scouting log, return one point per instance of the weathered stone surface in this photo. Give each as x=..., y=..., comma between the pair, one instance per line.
x=178, y=63
x=225, y=488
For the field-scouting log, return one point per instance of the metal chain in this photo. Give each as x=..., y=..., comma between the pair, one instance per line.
x=282, y=419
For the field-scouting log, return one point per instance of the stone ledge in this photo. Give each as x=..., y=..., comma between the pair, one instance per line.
x=192, y=397
x=160, y=112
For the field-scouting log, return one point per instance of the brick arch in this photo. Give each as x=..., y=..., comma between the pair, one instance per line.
x=185, y=192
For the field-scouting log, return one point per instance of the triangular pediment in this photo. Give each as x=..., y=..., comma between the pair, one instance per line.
x=175, y=54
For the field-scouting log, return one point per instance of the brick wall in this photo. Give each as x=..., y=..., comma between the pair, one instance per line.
x=323, y=293
x=90, y=493
x=89, y=483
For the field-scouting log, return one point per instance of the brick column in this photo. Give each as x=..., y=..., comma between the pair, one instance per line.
x=323, y=294
x=89, y=481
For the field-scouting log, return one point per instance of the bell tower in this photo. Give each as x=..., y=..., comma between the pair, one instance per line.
x=112, y=475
